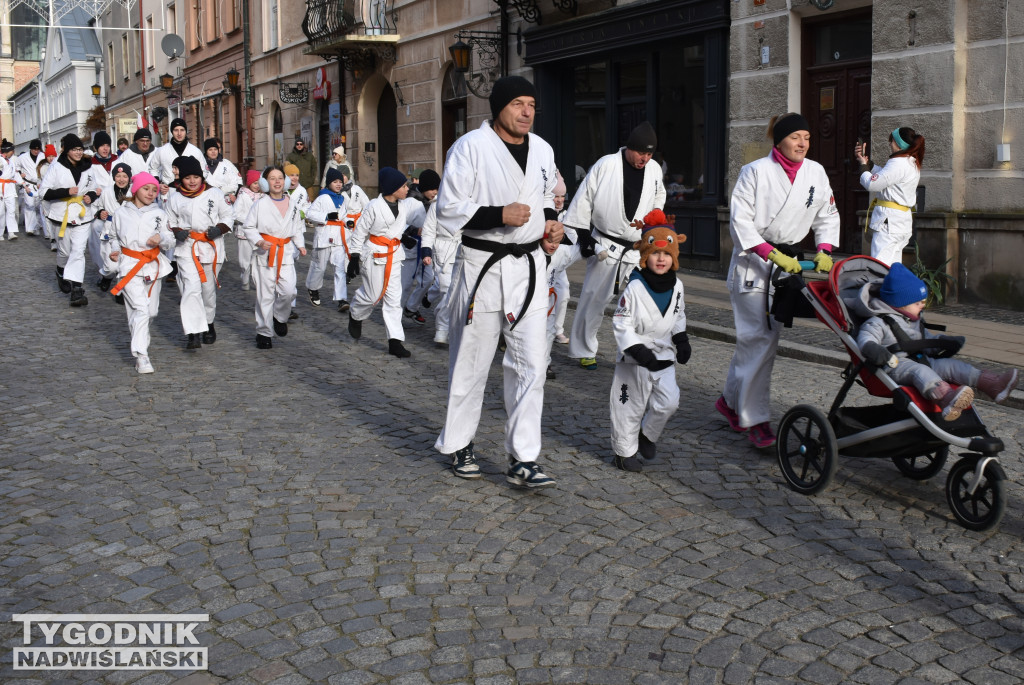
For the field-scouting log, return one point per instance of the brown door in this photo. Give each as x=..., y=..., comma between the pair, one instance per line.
x=837, y=104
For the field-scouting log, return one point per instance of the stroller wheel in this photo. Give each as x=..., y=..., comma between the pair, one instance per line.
x=924, y=466
x=807, y=450
x=983, y=509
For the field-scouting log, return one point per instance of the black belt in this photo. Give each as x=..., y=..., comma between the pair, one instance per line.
x=498, y=252
x=627, y=246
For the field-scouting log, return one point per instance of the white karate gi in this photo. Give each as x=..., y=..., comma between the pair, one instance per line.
x=131, y=227
x=101, y=237
x=274, y=290
x=28, y=168
x=199, y=299
x=161, y=161
x=10, y=180
x=444, y=242
x=139, y=163
x=641, y=399
x=380, y=264
x=225, y=177
x=71, y=247
x=480, y=171
x=416, y=276
x=330, y=246
x=240, y=209
x=766, y=207
x=891, y=228
x=600, y=203
x=558, y=285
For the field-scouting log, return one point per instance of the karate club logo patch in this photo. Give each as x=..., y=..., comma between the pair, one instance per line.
x=874, y=177
x=624, y=393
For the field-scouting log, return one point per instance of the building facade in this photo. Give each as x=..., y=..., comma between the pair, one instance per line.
x=22, y=41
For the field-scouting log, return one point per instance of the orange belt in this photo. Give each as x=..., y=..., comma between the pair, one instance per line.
x=144, y=257
x=200, y=237
x=341, y=226
x=551, y=291
x=391, y=244
x=276, y=252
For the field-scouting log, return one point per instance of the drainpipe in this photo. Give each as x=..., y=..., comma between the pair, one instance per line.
x=248, y=158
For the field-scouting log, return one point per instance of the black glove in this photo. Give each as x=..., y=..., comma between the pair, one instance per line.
x=586, y=242
x=683, y=349
x=350, y=224
x=876, y=354
x=180, y=234
x=427, y=252
x=333, y=216
x=409, y=237
x=645, y=358
x=958, y=339
x=353, y=267
x=214, y=232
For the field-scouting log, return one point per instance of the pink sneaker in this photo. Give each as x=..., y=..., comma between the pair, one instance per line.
x=732, y=417
x=761, y=435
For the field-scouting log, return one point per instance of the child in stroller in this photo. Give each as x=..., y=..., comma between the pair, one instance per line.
x=894, y=338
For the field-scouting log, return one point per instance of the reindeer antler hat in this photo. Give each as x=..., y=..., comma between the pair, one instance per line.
x=659, y=235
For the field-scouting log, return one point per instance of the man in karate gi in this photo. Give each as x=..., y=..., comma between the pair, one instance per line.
x=620, y=189
x=498, y=187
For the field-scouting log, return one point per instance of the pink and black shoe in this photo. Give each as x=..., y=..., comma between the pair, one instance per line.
x=762, y=435
x=732, y=417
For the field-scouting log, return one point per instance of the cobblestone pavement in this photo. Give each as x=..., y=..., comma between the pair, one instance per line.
x=294, y=496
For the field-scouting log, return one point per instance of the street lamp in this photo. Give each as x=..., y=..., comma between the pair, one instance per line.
x=232, y=78
x=97, y=89
x=460, y=55
x=490, y=63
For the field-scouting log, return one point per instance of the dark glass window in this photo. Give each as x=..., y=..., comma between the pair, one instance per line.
x=27, y=43
x=681, y=134
x=843, y=43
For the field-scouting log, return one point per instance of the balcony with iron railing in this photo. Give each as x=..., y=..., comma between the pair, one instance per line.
x=354, y=30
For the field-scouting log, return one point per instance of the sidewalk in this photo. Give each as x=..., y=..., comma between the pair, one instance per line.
x=995, y=338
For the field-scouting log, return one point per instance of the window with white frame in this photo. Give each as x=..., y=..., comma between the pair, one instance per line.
x=150, y=38
x=125, y=57
x=272, y=24
x=110, y=64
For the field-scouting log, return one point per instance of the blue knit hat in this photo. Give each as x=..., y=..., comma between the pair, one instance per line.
x=901, y=287
x=390, y=179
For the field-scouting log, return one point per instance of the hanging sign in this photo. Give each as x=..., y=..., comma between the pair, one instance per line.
x=322, y=91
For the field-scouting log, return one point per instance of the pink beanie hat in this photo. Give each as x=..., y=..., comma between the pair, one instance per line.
x=143, y=179
x=559, y=184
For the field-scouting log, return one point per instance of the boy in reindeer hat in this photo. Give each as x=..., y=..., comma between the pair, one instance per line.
x=650, y=329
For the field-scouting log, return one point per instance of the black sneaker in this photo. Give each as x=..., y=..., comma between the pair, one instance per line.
x=396, y=348
x=418, y=318
x=64, y=285
x=78, y=298
x=526, y=474
x=342, y=305
x=263, y=342
x=210, y=336
x=631, y=464
x=104, y=283
x=355, y=327
x=293, y=316
x=648, y=450
x=550, y=374
x=464, y=463
x=195, y=342
x=119, y=298
x=280, y=329
x=314, y=297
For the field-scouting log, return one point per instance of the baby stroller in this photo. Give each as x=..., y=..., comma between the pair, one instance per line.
x=910, y=430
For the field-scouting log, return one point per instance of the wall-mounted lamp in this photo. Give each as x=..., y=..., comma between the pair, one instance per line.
x=489, y=66
x=1003, y=152
x=398, y=93
x=97, y=90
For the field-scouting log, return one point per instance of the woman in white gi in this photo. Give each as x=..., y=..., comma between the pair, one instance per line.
x=498, y=188
x=440, y=245
x=650, y=329
x=106, y=206
x=274, y=227
x=10, y=180
x=140, y=229
x=69, y=189
x=375, y=243
x=330, y=241
x=219, y=172
x=617, y=192
x=777, y=200
x=244, y=201
x=199, y=219
x=889, y=216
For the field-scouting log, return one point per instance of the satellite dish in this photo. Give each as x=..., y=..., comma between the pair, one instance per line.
x=172, y=45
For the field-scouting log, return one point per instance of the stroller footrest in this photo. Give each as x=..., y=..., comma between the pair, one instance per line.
x=986, y=444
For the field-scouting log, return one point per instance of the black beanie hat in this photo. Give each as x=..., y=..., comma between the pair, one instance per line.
x=176, y=122
x=70, y=141
x=36, y=144
x=188, y=166
x=211, y=142
x=100, y=138
x=788, y=124
x=142, y=133
x=6, y=145
x=121, y=166
x=642, y=138
x=506, y=89
x=334, y=175
x=429, y=180
x=390, y=179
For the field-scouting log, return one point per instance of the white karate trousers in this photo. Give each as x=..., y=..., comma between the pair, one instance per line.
x=198, y=299
x=640, y=400
x=245, y=259
x=9, y=212
x=598, y=291
x=273, y=295
x=748, y=385
x=141, y=308
x=99, y=248
x=71, y=250
x=471, y=352
x=558, y=290
x=365, y=299
x=321, y=257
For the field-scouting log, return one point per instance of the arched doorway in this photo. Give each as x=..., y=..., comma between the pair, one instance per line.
x=387, y=129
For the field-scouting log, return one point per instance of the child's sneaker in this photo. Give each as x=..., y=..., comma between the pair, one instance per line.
x=464, y=463
x=998, y=385
x=762, y=435
x=314, y=298
x=588, y=363
x=955, y=401
x=562, y=339
x=142, y=364
x=732, y=417
x=631, y=464
x=527, y=474
x=648, y=450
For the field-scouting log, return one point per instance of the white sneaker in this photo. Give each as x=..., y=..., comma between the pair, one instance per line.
x=12, y=236
x=245, y=286
x=142, y=365
x=562, y=339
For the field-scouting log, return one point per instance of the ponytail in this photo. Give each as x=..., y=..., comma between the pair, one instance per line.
x=915, y=147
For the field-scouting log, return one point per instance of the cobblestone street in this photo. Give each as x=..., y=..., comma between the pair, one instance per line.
x=294, y=495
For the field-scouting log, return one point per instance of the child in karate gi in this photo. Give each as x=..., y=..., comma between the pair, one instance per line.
x=330, y=242
x=300, y=198
x=243, y=203
x=895, y=312
x=376, y=241
x=650, y=329
x=106, y=205
x=139, y=229
x=275, y=228
x=199, y=218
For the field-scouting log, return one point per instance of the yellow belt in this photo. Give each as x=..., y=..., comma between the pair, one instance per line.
x=76, y=200
x=881, y=203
